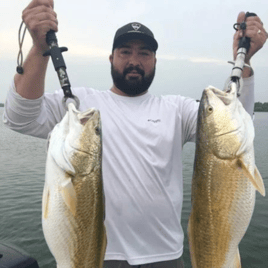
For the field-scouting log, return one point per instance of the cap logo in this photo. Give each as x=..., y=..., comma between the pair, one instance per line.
x=136, y=26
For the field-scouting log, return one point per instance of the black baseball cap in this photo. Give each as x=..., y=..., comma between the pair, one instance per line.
x=134, y=30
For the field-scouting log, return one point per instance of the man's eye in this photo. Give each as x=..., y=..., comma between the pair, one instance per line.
x=145, y=53
x=125, y=52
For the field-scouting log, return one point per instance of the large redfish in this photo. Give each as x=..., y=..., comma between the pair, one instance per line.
x=73, y=197
x=225, y=180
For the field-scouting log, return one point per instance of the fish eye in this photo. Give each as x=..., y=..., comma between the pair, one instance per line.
x=97, y=130
x=210, y=109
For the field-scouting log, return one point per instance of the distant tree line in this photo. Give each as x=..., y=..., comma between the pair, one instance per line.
x=258, y=107
x=261, y=107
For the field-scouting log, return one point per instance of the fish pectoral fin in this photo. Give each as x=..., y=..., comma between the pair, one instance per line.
x=103, y=247
x=255, y=179
x=45, y=202
x=258, y=178
x=237, y=262
x=191, y=242
x=69, y=195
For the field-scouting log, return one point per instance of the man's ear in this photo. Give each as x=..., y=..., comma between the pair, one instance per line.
x=111, y=57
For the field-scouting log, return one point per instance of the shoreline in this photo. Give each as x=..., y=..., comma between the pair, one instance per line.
x=2, y=105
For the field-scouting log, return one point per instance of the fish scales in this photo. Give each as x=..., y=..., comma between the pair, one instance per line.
x=73, y=197
x=217, y=214
x=223, y=194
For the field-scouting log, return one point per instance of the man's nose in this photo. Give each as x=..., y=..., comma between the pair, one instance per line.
x=134, y=59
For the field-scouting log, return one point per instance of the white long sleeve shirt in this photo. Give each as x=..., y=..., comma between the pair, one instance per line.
x=143, y=139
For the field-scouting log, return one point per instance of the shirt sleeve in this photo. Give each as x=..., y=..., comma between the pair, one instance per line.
x=189, y=119
x=247, y=97
x=33, y=117
x=187, y=110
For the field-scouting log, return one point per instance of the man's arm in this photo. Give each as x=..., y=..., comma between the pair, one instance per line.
x=258, y=37
x=39, y=18
x=27, y=110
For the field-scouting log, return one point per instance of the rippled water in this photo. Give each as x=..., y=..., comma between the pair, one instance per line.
x=22, y=173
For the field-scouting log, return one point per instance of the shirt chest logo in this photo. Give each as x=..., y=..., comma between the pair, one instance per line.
x=154, y=121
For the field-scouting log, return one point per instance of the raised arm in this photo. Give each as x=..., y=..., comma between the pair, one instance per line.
x=39, y=18
x=27, y=109
x=258, y=36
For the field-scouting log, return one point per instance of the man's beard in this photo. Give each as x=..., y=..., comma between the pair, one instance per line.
x=134, y=85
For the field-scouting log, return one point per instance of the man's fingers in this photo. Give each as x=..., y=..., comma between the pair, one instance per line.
x=241, y=17
x=255, y=28
x=35, y=3
x=37, y=14
x=45, y=26
x=253, y=25
x=38, y=9
x=39, y=18
x=255, y=19
x=249, y=20
x=51, y=3
x=41, y=24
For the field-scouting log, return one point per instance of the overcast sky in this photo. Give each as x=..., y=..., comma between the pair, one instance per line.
x=194, y=37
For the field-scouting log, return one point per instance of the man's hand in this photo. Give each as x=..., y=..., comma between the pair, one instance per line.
x=39, y=18
x=254, y=31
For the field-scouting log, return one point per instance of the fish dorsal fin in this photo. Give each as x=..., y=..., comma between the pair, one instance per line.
x=255, y=178
x=69, y=195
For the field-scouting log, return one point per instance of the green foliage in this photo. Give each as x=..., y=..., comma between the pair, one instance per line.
x=261, y=107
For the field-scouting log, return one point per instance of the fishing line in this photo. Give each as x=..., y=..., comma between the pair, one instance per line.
x=20, y=54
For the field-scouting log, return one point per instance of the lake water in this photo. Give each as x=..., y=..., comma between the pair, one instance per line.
x=22, y=173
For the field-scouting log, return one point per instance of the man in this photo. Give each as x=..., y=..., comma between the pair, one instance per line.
x=143, y=136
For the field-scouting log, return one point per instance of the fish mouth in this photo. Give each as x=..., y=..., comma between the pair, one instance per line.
x=226, y=97
x=82, y=117
x=85, y=116
x=78, y=119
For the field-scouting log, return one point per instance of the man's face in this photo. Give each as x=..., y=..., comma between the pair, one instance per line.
x=133, y=67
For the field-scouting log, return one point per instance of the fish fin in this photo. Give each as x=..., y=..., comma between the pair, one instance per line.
x=103, y=247
x=258, y=178
x=45, y=202
x=48, y=140
x=191, y=243
x=255, y=179
x=237, y=261
x=69, y=195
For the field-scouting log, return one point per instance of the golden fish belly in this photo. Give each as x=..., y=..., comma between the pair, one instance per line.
x=222, y=204
x=77, y=240
x=90, y=243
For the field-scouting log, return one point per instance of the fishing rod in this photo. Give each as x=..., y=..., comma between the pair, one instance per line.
x=239, y=63
x=56, y=55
